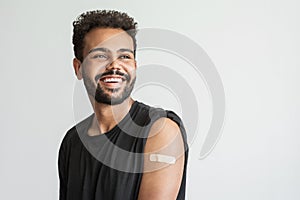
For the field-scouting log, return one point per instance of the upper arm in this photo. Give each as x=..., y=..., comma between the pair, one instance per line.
x=62, y=171
x=162, y=180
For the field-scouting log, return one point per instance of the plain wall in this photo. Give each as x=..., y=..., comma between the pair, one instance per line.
x=254, y=45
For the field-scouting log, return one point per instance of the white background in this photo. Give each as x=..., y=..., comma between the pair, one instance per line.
x=254, y=45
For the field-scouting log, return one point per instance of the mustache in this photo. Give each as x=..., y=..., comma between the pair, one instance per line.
x=112, y=72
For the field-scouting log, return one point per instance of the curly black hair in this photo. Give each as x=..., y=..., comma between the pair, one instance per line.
x=100, y=19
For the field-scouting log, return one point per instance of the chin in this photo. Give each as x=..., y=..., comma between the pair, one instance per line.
x=111, y=99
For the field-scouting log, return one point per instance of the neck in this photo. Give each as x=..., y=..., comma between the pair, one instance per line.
x=108, y=116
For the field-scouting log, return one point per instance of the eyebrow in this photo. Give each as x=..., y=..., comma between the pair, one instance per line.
x=106, y=50
x=99, y=49
x=126, y=50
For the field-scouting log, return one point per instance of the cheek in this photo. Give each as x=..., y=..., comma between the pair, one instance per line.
x=130, y=67
x=132, y=75
x=93, y=68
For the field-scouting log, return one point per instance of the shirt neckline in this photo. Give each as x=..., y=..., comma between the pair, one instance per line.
x=124, y=120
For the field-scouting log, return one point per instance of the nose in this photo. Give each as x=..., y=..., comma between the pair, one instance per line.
x=114, y=65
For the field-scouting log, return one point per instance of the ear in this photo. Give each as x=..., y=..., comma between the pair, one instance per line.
x=135, y=64
x=77, y=68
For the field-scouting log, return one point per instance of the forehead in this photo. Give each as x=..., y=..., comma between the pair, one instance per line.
x=110, y=38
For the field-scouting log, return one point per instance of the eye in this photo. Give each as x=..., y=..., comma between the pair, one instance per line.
x=125, y=56
x=100, y=56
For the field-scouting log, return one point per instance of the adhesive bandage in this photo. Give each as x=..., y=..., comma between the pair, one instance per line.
x=162, y=158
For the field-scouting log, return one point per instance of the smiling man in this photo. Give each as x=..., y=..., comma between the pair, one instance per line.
x=125, y=150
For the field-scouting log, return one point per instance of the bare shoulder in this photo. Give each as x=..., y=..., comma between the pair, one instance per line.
x=162, y=133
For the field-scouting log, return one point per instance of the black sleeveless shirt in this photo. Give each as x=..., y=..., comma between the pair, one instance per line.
x=110, y=166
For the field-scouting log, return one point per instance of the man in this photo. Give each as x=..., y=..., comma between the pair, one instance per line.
x=125, y=149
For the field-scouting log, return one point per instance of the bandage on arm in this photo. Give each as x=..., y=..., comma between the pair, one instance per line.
x=165, y=150
x=162, y=158
x=163, y=163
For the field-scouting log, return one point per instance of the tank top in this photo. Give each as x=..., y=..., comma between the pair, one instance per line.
x=110, y=166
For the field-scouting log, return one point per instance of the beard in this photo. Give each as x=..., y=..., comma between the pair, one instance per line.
x=102, y=97
x=107, y=95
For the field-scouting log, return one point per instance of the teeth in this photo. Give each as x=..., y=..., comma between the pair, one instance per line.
x=106, y=80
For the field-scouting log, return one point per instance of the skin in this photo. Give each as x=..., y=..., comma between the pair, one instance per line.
x=160, y=181
x=107, y=116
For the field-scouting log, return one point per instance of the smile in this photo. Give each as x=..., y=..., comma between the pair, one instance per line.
x=112, y=80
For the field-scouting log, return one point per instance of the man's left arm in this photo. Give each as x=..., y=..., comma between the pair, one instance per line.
x=164, y=162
